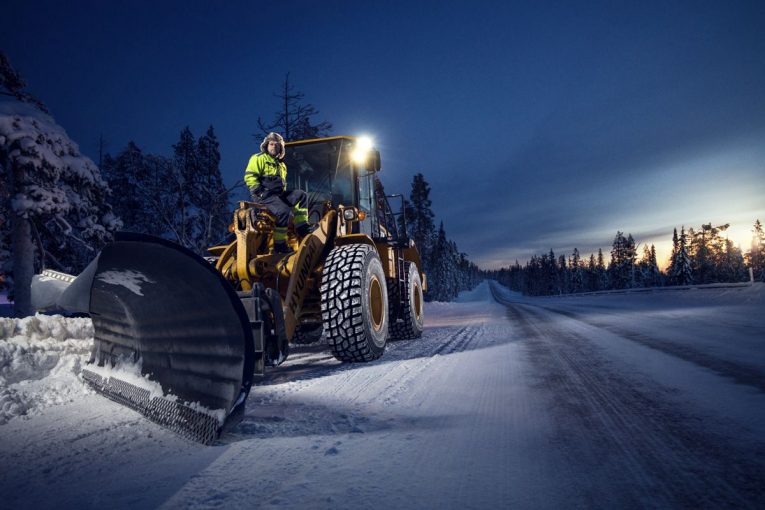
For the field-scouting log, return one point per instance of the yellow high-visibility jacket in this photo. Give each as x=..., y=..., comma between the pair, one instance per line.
x=264, y=165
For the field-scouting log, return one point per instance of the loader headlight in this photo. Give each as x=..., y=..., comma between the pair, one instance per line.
x=350, y=214
x=360, y=152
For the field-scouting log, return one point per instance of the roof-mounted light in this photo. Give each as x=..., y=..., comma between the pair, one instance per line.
x=361, y=149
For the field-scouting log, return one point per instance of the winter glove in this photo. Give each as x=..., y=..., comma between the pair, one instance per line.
x=256, y=192
x=272, y=184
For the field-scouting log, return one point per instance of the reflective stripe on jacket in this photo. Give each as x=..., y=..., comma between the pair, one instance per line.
x=263, y=165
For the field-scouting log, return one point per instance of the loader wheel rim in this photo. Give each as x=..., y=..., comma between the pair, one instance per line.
x=376, y=304
x=417, y=302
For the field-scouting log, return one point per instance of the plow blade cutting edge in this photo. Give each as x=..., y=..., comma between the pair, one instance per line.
x=160, y=308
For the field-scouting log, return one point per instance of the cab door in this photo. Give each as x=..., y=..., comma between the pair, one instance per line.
x=367, y=204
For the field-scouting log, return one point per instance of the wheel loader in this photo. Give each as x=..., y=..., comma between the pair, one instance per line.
x=182, y=338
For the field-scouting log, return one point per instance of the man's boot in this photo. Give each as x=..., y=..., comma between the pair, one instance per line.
x=303, y=230
x=281, y=247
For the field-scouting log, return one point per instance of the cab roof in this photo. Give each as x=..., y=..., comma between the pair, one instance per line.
x=318, y=140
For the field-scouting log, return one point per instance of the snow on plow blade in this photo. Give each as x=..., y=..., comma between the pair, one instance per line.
x=160, y=307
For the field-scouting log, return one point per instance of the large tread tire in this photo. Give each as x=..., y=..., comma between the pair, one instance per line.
x=411, y=318
x=354, y=303
x=307, y=334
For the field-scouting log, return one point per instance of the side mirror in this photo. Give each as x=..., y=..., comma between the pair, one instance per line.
x=374, y=161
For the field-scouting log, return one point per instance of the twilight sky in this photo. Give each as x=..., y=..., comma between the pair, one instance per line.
x=538, y=124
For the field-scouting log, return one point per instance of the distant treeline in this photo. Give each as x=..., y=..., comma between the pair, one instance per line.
x=698, y=256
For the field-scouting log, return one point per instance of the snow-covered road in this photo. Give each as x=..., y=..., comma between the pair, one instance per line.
x=628, y=401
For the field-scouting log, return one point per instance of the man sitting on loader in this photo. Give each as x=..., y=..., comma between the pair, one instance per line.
x=266, y=177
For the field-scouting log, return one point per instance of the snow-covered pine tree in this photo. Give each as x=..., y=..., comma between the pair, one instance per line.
x=576, y=271
x=732, y=266
x=514, y=277
x=602, y=272
x=54, y=201
x=723, y=260
x=682, y=272
x=620, y=270
x=617, y=257
x=471, y=274
x=440, y=277
x=158, y=193
x=209, y=195
x=564, y=276
x=457, y=278
x=591, y=282
x=125, y=174
x=421, y=224
x=647, y=271
x=186, y=167
x=708, y=253
x=406, y=218
x=655, y=274
x=534, y=281
x=552, y=276
x=631, y=254
x=702, y=262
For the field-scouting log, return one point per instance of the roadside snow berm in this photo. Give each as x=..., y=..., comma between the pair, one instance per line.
x=182, y=340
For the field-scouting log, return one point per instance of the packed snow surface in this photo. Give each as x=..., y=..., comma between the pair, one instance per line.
x=608, y=401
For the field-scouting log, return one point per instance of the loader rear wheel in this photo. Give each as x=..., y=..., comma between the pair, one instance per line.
x=410, y=323
x=354, y=303
x=307, y=333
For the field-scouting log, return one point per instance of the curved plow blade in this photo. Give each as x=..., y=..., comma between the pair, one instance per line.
x=164, y=311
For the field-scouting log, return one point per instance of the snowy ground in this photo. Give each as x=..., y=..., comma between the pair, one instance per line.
x=613, y=401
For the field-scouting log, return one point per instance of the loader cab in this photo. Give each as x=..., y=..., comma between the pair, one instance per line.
x=342, y=170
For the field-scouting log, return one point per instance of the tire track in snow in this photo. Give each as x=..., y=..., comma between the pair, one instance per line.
x=459, y=342
x=354, y=385
x=608, y=421
x=308, y=363
x=403, y=363
x=312, y=361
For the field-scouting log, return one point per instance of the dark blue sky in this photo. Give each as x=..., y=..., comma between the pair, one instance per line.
x=538, y=125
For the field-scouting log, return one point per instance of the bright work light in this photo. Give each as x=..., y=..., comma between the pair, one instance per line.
x=361, y=150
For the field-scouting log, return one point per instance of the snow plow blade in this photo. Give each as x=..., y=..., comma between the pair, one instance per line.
x=161, y=308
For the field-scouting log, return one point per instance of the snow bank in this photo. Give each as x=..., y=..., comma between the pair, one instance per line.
x=40, y=359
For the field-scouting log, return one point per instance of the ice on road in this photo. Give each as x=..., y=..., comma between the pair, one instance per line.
x=628, y=401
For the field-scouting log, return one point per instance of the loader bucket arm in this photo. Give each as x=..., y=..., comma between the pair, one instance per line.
x=158, y=304
x=311, y=252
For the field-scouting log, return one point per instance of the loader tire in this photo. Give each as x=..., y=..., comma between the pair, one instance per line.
x=306, y=334
x=354, y=303
x=410, y=323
